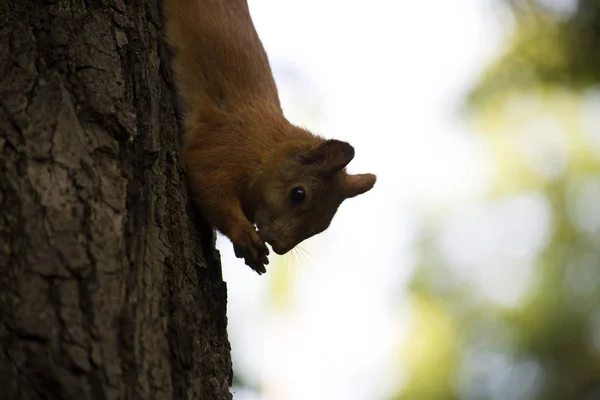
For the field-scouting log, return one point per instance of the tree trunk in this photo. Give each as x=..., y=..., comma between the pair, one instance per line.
x=110, y=287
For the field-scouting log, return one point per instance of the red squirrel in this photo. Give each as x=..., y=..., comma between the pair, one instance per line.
x=249, y=168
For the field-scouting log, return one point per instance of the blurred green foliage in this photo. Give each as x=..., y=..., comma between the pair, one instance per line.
x=554, y=42
x=539, y=108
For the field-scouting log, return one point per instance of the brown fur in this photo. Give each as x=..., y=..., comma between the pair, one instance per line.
x=242, y=156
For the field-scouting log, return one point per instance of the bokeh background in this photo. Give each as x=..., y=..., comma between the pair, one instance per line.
x=472, y=270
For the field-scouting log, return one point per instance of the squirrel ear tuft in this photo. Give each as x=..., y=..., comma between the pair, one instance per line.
x=329, y=157
x=358, y=184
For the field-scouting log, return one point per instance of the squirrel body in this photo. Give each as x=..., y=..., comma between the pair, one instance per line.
x=247, y=164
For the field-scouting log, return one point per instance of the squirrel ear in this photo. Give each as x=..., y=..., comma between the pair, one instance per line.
x=358, y=184
x=329, y=157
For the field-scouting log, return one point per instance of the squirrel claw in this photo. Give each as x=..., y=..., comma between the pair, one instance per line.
x=249, y=246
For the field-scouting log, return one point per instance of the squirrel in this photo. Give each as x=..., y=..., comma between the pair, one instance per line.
x=256, y=177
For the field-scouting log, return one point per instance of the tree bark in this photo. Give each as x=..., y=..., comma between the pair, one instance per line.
x=110, y=286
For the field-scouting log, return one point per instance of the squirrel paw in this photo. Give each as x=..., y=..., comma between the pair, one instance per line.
x=248, y=245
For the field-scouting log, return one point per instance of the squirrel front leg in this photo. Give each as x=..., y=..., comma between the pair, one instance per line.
x=223, y=209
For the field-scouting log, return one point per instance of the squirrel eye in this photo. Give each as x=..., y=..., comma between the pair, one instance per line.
x=297, y=195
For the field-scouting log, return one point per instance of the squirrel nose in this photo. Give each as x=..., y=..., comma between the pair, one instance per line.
x=276, y=247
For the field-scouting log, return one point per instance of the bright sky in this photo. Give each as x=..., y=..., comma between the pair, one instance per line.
x=387, y=77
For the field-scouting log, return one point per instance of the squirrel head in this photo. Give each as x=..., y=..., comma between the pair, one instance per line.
x=298, y=191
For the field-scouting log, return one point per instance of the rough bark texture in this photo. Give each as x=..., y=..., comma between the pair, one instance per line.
x=110, y=288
